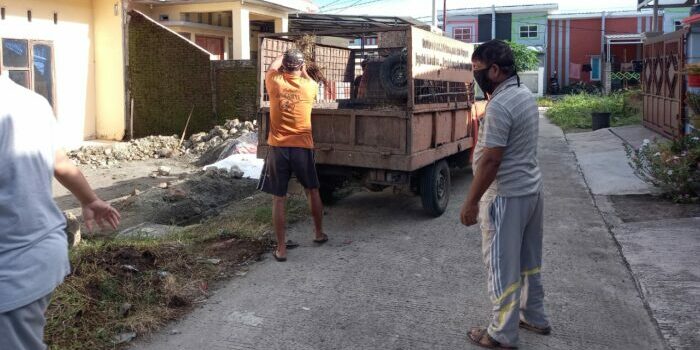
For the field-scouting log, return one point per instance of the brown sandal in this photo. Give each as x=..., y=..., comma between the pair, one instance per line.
x=321, y=240
x=480, y=337
x=542, y=331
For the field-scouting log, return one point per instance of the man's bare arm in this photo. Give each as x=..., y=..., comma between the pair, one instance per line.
x=72, y=179
x=304, y=73
x=275, y=65
x=94, y=209
x=487, y=168
x=486, y=172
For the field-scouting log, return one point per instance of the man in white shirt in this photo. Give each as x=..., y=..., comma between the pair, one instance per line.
x=33, y=244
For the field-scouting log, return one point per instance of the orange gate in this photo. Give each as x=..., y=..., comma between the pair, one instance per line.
x=663, y=85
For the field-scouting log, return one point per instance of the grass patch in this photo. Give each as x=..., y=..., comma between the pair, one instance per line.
x=574, y=111
x=139, y=284
x=544, y=101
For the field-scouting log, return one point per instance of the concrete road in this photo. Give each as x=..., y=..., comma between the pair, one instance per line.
x=392, y=278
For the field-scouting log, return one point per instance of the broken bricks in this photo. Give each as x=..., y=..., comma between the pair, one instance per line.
x=72, y=229
x=164, y=170
x=155, y=147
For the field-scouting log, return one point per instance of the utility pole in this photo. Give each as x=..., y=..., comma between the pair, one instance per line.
x=655, y=24
x=435, y=16
x=444, y=16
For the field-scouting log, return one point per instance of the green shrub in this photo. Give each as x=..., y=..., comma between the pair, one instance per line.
x=672, y=166
x=581, y=87
x=574, y=111
x=525, y=58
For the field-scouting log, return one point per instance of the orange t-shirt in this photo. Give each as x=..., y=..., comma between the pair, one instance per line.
x=291, y=101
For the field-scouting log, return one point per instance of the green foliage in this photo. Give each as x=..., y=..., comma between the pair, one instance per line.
x=672, y=166
x=693, y=68
x=581, y=87
x=693, y=101
x=574, y=111
x=525, y=58
x=545, y=101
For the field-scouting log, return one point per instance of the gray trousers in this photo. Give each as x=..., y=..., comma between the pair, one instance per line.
x=23, y=328
x=511, y=230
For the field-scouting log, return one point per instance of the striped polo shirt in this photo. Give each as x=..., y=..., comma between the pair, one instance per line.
x=511, y=121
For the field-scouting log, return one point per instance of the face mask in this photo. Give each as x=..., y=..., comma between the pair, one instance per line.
x=481, y=77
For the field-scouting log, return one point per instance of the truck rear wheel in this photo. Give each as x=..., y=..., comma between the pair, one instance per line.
x=327, y=194
x=435, y=188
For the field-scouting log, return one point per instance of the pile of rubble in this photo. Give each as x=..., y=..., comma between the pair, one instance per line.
x=160, y=146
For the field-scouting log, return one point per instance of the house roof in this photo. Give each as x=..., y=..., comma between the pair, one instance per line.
x=665, y=3
x=287, y=5
x=613, y=39
x=314, y=22
x=611, y=14
x=473, y=11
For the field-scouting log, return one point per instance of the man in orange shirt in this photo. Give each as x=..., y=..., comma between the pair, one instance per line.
x=292, y=93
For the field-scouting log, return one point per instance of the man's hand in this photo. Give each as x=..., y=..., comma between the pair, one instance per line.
x=101, y=212
x=94, y=209
x=469, y=214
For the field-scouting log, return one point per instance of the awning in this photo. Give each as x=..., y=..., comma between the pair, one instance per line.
x=622, y=39
x=311, y=22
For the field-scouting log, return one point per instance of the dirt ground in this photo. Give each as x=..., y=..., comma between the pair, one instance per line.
x=189, y=196
x=121, y=180
x=637, y=208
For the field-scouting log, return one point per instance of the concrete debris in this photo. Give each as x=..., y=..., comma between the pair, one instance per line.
x=166, y=153
x=164, y=170
x=72, y=229
x=163, y=185
x=129, y=268
x=248, y=164
x=147, y=229
x=159, y=146
x=236, y=172
x=124, y=337
x=212, y=261
x=175, y=195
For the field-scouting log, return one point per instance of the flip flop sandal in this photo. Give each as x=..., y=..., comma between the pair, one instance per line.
x=477, y=334
x=322, y=240
x=278, y=258
x=538, y=330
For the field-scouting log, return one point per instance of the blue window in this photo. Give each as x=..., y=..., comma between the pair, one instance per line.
x=595, y=68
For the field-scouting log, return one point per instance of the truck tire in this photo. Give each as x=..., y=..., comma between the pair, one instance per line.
x=435, y=188
x=327, y=194
x=393, y=75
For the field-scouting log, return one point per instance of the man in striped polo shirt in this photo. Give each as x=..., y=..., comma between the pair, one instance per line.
x=506, y=197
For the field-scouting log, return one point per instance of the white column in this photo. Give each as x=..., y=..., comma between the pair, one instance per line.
x=241, y=34
x=435, y=16
x=281, y=25
x=493, y=22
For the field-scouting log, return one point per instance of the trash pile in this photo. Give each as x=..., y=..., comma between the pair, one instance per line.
x=155, y=147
